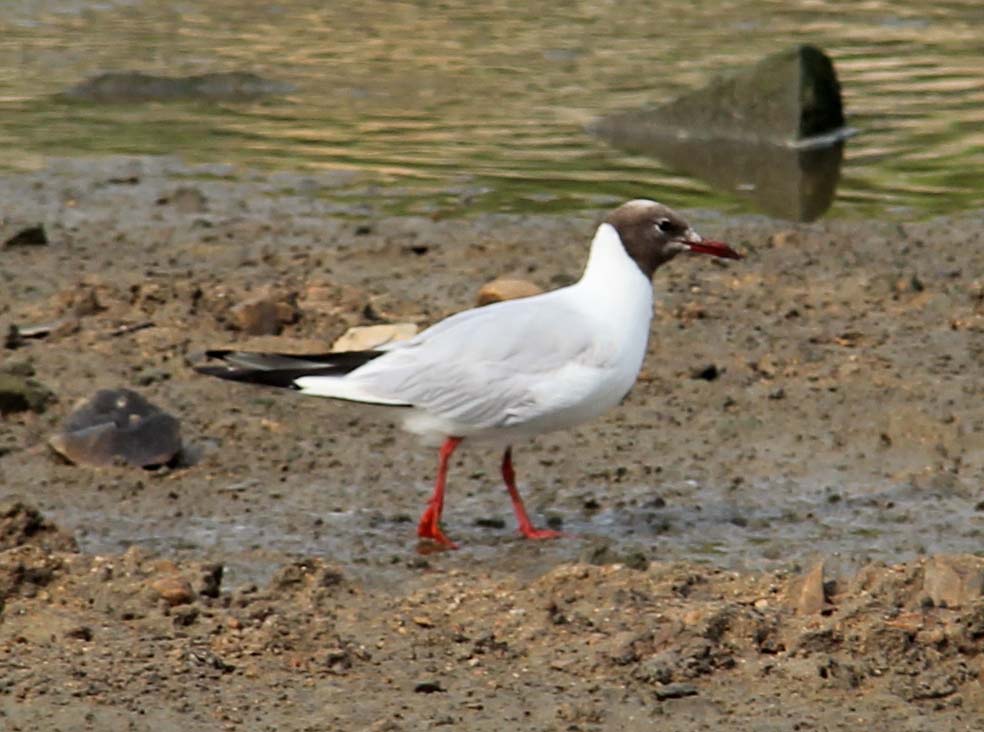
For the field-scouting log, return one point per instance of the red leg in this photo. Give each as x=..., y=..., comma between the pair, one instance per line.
x=430, y=521
x=525, y=525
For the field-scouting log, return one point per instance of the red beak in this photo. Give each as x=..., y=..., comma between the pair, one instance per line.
x=714, y=248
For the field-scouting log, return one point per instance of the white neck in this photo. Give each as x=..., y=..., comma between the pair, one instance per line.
x=618, y=297
x=609, y=265
x=613, y=287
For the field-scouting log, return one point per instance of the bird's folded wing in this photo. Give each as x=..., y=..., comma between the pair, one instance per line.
x=492, y=367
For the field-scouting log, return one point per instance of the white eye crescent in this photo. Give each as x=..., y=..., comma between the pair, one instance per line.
x=664, y=225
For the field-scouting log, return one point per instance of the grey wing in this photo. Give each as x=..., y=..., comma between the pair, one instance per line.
x=490, y=367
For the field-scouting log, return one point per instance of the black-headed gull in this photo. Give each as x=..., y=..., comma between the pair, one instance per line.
x=513, y=369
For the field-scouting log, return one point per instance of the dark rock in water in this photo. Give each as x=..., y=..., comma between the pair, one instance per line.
x=773, y=132
x=118, y=426
x=26, y=236
x=21, y=393
x=790, y=96
x=21, y=524
x=134, y=86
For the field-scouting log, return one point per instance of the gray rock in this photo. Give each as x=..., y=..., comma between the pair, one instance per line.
x=787, y=97
x=118, y=426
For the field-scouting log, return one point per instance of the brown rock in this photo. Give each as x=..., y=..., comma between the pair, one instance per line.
x=173, y=589
x=505, y=289
x=953, y=580
x=367, y=337
x=264, y=315
x=805, y=594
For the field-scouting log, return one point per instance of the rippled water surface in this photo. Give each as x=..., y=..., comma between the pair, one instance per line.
x=448, y=106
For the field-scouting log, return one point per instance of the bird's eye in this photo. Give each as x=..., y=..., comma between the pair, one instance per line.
x=664, y=225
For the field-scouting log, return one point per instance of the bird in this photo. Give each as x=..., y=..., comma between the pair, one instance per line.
x=510, y=370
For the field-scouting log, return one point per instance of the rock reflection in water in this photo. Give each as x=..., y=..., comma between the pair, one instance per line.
x=795, y=183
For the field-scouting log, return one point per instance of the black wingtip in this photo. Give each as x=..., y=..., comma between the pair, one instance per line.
x=277, y=369
x=282, y=378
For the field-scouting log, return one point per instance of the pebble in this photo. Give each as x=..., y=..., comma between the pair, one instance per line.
x=368, y=337
x=173, y=589
x=674, y=691
x=505, y=289
x=805, y=594
x=187, y=200
x=263, y=315
x=28, y=236
x=708, y=372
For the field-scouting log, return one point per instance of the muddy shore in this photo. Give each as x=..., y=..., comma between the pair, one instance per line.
x=819, y=401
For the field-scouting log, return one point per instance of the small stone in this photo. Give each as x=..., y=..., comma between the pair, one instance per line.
x=658, y=669
x=784, y=238
x=505, y=289
x=428, y=687
x=490, y=522
x=87, y=303
x=187, y=200
x=709, y=372
x=338, y=660
x=806, y=594
x=766, y=366
x=173, y=589
x=184, y=616
x=264, y=315
x=20, y=393
x=79, y=632
x=30, y=236
x=211, y=580
x=674, y=691
x=368, y=337
x=423, y=621
x=954, y=580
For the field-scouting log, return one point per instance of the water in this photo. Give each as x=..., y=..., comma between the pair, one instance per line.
x=452, y=106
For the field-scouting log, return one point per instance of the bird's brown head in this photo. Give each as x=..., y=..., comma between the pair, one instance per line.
x=653, y=234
